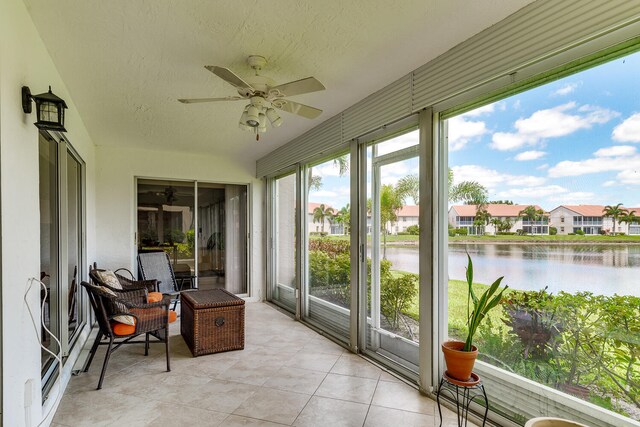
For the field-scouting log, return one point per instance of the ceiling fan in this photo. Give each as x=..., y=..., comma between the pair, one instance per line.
x=264, y=96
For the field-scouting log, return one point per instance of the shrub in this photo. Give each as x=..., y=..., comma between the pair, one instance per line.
x=174, y=235
x=579, y=233
x=396, y=294
x=521, y=232
x=461, y=231
x=553, y=231
x=403, y=233
x=329, y=246
x=414, y=230
x=452, y=232
x=319, y=233
x=571, y=234
x=505, y=233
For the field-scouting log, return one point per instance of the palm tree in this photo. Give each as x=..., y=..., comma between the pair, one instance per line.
x=315, y=181
x=343, y=216
x=496, y=223
x=531, y=213
x=483, y=217
x=469, y=192
x=321, y=213
x=391, y=201
x=629, y=218
x=614, y=212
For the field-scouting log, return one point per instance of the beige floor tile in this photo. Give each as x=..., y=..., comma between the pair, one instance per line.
x=238, y=421
x=321, y=362
x=273, y=405
x=216, y=395
x=322, y=411
x=296, y=380
x=98, y=408
x=385, y=417
x=402, y=396
x=343, y=387
x=269, y=383
x=249, y=372
x=188, y=416
x=351, y=364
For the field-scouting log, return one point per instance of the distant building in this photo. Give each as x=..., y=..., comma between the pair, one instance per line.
x=633, y=229
x=407, y=216
x=464, y=216
x=587, y=218
x=329, y=226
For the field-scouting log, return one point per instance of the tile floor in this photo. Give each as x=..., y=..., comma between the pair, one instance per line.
x=286, y=375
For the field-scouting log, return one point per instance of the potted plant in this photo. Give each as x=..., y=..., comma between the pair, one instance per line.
x=460, y=356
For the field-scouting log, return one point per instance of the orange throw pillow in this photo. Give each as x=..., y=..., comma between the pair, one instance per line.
x=154, y=297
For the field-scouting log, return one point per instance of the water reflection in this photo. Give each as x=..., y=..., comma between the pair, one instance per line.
x=601, y=269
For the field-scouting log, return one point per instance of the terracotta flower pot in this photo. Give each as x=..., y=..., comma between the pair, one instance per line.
x=459, y=363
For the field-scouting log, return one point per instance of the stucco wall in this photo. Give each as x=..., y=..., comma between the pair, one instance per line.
x=116, y=212
x=25, y=61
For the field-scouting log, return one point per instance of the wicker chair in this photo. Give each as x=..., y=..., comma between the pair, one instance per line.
x=151, y=319
x=157, y=265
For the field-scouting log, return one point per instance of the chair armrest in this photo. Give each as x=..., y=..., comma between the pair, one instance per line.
x=149, y=285
x=165, y=302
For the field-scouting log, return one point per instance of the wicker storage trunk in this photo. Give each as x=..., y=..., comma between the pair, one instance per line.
x=212, y=321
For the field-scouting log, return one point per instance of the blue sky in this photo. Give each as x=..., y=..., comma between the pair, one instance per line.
x=572, y=141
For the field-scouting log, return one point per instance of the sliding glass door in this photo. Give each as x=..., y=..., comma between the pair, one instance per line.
x=327, y=285
x=61, y=195
x=390, y=295
x=283, y=242
x=207, y=246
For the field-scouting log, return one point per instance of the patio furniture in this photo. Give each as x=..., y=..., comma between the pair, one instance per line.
x=118, y=282
x=147, y=318
x=157, y=265
x=212, y=321
x=463, y=393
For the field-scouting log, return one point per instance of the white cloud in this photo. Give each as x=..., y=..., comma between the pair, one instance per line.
x=628, y=130
x=609, y=183
x=628, y=168
x=573, y=198
x=322, y=194
x=491, y=178
x=551, y=123
x=399, y=142
x=463, y=131
x=527, y=193
x=566, y=89
x=485, y=109
x=326, y=169
x=616, y=150
x=543, y=167
x=530, y=155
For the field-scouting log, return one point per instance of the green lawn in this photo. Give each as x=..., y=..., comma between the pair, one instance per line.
x=547, y=239
x=517, y=239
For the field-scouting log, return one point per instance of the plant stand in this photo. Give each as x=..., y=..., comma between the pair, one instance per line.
x=463, y=392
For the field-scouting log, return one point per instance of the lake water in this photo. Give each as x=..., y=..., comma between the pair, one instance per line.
x=601, y=269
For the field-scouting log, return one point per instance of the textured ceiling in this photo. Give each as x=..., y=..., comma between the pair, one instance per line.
x=126, y=62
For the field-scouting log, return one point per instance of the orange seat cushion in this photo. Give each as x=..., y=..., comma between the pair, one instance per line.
x=122, y=329
x=154, y=297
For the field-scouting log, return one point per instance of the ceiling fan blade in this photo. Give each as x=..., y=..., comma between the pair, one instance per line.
x=297, y=108
x=298, y=87
x=229, y=76
x=194, y=101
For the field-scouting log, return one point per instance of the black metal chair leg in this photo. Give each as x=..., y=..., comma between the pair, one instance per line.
x=166, y=344
x=105, y=363
x=146, y=344
x=92, y=352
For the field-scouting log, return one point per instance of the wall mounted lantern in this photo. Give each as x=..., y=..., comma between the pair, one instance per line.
x=49, y=109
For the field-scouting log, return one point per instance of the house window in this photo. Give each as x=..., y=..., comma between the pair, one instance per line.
x=574, y=344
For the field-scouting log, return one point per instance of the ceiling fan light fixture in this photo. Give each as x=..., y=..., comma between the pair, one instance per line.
x=253, y=116
x=243, y=121
x=274, y=117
